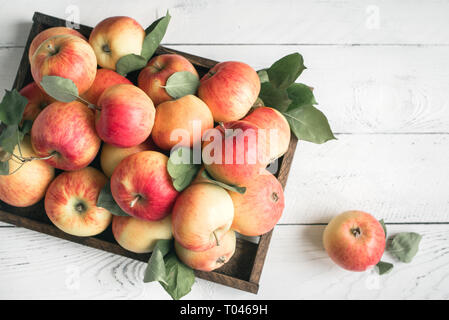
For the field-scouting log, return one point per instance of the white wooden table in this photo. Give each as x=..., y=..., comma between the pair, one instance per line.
x=380, y=71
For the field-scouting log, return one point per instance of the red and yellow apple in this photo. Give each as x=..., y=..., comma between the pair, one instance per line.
x=111, y=156
x=229, y=89
x=28, y=184
x=66, y=56
x=65, y=132
x=201, y=216
x=153, y=77
x=258, y=209
x=71, y=202
x=142, y=187
x=140, y=236
x=354, y=240
x=104, y=79
x=277, y=130
x=116, y=37
x=37, y=100
x=210, y=259
x=233, y=152
x=48, y=33
x=126, y=117
x=181, y=122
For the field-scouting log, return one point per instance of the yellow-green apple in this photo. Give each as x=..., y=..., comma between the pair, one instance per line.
x=142, y=187
x=66, y=56
x=37, y=100
x=258, y=209
x=153, y=77
x=65, y=133
x=104, y=79
x=140, y=236
x=116, y=37
x=71, y=202
x=27, y=185
x=111, y=156
x=201, y=216
x=234, y=152
x=229, y=89
x=48, y=33
x=181, y=122
x=210, y=259
x=277, y=130
x=354, y=240
x=126, y=117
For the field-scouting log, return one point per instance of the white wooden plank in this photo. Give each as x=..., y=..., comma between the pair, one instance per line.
x=400, y=178
x=34, y=265
x=9, y=64
x=256, y=21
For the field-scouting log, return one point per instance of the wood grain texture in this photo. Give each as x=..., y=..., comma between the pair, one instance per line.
x=33, y=265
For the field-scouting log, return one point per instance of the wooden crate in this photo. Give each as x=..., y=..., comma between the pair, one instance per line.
x=243, y=271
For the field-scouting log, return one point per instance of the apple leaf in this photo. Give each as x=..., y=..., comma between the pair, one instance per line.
x=300, y=95
x=309, y=124
x=155, y=270
x=405, y=245
x=106, y=201
x=4, y=168
x=286, y=70
x=181, y=168
x=263, y=75
x=182, y=83
x=12, y=106
x=9, y=138
x=154, y=34
x=129, y=63
x=179, y=277
x=233, y=188
x=384, y=267
x=275, y=98
x=60, y=88
x=382, y=223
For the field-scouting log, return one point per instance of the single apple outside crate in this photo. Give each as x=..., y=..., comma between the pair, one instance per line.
x=243, y=271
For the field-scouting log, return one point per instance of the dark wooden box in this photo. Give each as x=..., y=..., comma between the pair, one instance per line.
x=242, y=271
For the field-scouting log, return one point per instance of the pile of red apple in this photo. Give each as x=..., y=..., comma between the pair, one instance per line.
x=134, y=127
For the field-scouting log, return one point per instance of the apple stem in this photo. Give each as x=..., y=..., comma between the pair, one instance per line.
x=133, y=203
x=23, y=159
x=216, y=238
x=356, y=232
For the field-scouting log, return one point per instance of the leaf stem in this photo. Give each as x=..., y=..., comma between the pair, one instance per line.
x=216, y=238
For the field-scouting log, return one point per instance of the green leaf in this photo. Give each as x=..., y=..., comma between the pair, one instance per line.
x=263, y=75
x=25, y=128
x=404, y=246
x=286, y=70
x=382, y=223
x=154, y=34
x=301, y=95
x=155, y=270
x=12, y=106
x=384, y=267
x=9, y=138
x=275, y=98
x=61, y=89
x=4, y=168
x=309, y=124
x=181, y=168
x=129, y=63
x=182, y=83
x=206, y=175
x=179, y=277
x=105, y=200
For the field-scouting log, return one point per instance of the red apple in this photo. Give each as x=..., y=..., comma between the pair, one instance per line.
x=210, y=259
x=181, y=122
x=259, y=209
x=142, y=187
x=37, y=100
x=66, y=131
x=116, y=37
x=140, y=236
x=28, y=184
x=71, y=202
x=276, y=128
x=354, y=240
x=233, y=152
x=201, y=216
x=48, y=33
x=104, y=79
x=154, y=76
x=66, y=56
x=229, y=89
x=126, y=117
